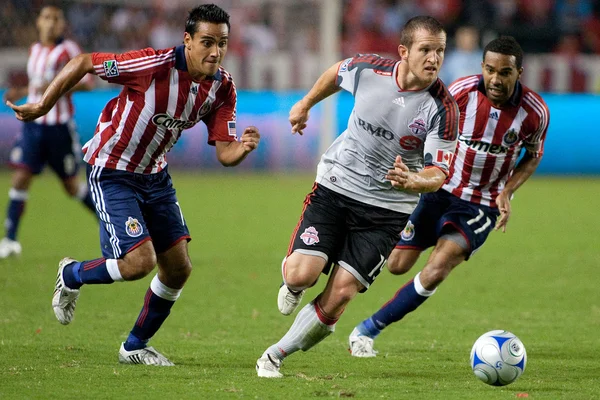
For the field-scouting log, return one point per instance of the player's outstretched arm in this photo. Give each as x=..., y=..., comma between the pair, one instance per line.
x=66, y=79
x=324, y=87
x=522, y=172
x=231, y=154
x=427, y=180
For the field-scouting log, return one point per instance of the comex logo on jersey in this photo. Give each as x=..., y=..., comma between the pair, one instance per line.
x=171, y=123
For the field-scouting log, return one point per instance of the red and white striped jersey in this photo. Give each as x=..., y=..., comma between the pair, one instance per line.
x=158, y=101
x=45, y=62
x=490, y=139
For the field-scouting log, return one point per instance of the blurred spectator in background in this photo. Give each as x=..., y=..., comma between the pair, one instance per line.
x=571, y=13
x=465, y=58
x=591, y=30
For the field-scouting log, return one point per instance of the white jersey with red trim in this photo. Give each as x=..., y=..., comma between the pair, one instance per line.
x=158, y=101
x=421, y=126
x=490, y=139
x=45, y=62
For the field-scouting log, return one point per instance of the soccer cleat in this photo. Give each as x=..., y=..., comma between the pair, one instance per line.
x=9, y=248
x=268, y=366
x=361, y=345
x=288, y=301
x=64, y=298
x=145, y=356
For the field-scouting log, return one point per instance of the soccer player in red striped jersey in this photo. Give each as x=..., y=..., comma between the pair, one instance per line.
x=164, y=92
x=50, y=139
x=499, y=117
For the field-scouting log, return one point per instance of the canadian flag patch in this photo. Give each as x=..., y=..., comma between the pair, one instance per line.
x=444, y=157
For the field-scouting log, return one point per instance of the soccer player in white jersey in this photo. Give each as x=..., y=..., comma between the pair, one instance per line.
x=400, y=137
x=50, y=139
x=499, y=117
x=164, y=92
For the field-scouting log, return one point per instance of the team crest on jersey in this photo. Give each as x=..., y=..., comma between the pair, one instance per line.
x=110, y=68
x=310, y=236
x=409, y=231
x=204, y=109
x=418, y=127
x=510, y=137
x=133, y=227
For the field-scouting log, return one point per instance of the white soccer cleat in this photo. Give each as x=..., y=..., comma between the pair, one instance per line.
x=145, y=356
x=361, y=345
x=9, y=248
x=268, y=366
x=288, y=301
x=64, y=298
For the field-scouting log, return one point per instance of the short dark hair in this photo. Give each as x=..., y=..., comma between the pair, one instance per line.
x=206, y=13
x=430, y=24
x=508, y=46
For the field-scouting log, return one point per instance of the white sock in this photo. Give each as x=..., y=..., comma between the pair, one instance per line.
x=112, y=266
x=307, y=330
x=163, y=291
x=420, y=289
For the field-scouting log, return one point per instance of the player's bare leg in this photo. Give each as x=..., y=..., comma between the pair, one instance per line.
x=18, y=195
x=299, y=271
x=174, y=268
x=446, y=255
x=401, y=261
x=313, y=323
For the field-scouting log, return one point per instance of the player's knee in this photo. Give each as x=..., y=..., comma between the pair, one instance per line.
x=301, y=272
x=397, y=264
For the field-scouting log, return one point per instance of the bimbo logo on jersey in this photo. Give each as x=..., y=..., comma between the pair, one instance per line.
x=375, y=130
x=171, y=123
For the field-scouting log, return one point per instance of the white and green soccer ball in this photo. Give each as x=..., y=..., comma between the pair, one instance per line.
x=498, y=358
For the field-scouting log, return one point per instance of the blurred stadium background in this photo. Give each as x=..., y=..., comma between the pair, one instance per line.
x=536, y=281
x=279, y=47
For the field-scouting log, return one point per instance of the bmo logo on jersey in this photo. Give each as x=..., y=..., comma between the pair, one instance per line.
x=171, y=123
x=375, y=130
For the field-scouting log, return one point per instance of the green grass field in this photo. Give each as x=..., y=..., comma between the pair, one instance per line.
x=539, y=280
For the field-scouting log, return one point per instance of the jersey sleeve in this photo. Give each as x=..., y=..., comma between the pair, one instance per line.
x=534, y=141
x=134, y=68
x=221, y=123
x=440, y=142
x=345, y=76
x=350, y=69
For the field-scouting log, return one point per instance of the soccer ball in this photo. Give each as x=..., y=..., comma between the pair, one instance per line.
x=498, y=358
